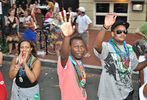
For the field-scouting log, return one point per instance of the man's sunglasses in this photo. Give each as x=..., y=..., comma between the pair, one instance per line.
x=120, y=31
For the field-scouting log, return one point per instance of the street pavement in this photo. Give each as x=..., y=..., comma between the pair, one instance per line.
x=48, y=81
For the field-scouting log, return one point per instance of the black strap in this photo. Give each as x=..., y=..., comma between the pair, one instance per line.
x=34, y=61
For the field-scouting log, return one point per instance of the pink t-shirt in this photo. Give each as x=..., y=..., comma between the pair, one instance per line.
x=48, y=15
x=68, y=83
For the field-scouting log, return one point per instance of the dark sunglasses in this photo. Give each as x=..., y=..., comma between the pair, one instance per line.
x=120, y=31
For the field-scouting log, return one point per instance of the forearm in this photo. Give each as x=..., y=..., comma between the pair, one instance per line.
x=13, y=72
x=141, y=65
x=141, y=76
x=29, y=73
x=99, y=39
x=13, y=69
x=90, y=25
x=65, y=50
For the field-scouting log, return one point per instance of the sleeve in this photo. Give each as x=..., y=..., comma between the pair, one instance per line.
x=88, y=20
x=60, y=69
x=141, y=95
x=143, y=28
x=77, y=20
x=104, y=52
x=133, y=58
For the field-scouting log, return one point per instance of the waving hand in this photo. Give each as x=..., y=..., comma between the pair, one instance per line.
x=66, y=26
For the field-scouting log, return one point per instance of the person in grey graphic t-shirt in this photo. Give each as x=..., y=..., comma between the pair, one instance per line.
x=118, y=61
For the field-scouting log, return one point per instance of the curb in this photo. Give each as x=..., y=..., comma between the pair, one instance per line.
x=53, y=64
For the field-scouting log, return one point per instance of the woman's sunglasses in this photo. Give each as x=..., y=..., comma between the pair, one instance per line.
x=120, y=31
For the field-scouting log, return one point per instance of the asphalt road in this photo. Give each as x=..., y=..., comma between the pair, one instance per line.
x=48, y=82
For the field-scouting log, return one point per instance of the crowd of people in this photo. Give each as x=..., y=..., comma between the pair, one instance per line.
x=69, y=36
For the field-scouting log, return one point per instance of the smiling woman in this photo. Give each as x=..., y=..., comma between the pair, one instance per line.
x=26, y=69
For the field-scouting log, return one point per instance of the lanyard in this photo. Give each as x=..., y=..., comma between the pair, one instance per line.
x=21, y=71
x=77, y=67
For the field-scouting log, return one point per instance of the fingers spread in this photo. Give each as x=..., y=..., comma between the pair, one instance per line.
x=64, y=12
x=70, y=17
x=61, y=17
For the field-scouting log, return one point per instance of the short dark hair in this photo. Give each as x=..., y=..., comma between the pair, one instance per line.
x=34, y=53
x=76, y=38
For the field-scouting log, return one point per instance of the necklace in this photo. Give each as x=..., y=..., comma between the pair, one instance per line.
x=79, y=67
x=22, y=71
x=123, y=58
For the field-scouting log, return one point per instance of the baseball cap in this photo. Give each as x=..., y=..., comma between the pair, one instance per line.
x=82, y=9
x=119, y=22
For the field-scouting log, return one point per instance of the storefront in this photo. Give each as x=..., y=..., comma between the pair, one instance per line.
x=133, y=11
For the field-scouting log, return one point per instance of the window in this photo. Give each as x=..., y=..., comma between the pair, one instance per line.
x=100, y=19
x=121, y=7
x=121, y=10
x=102, y=7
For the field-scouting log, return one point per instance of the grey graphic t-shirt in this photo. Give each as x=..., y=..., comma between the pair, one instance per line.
x=116, y=81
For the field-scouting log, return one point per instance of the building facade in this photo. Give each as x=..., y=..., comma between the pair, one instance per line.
x=132, y=11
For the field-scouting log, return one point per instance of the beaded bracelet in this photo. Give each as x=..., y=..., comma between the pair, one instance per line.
x=18, y=66
x=106, y=29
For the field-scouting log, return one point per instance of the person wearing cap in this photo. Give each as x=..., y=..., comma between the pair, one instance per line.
x=118, y=61
x=83, y=24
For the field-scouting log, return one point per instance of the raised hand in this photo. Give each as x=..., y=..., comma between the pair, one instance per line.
x=109, y=20
x=22, y=57
x=66, y=27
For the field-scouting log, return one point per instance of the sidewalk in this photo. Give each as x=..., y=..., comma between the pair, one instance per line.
x=92, y=61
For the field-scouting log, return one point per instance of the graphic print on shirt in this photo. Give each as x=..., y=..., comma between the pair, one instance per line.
x=112, y=64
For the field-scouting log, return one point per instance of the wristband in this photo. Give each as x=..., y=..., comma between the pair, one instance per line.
x=18, y=66
x=106, y=29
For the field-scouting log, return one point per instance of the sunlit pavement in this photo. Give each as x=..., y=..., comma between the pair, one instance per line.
x=48, y=81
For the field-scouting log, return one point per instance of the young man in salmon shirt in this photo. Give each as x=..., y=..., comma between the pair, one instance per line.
x=70, y=69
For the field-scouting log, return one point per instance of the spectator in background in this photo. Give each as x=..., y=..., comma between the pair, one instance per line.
x=29, y=26
x=39, y=17
x=74, y=15
x=83, y=25
x=56, y=35
x=49, y=13
x=50, y=3
x=11, y=31
x=14, y=7
x=33, y=10
x=142, y=30
x=56, y=7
